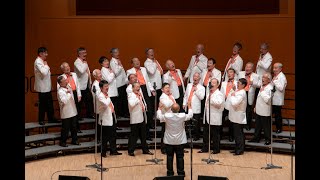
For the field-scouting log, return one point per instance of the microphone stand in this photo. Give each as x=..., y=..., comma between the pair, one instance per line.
x=190, y=126
x=291, y=142
x=95, y=165
x=271, y=166
x=209, y=160
x=155, y=160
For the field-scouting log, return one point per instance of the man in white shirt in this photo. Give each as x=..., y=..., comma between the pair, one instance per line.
x=42, y=84
x=138, y=120
x=197, y=63
x=98, y=77
x=207, y=74
x=120, y=74
x=107, y=120
x=154, y=71
x=264, y=63
x=253, y=80
x=279, y=82
x=215, y=101
x=262, y=110
x=174, y=78
x=234, y=62
x=237, y=115
x=147, y=90
x=227, y=88
x=81, y=68
x=175, y=136
x=68, y=112
x=194, y=94
x=75, y=87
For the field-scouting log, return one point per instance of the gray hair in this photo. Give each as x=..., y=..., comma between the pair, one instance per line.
x=62, y=65
x=250, y=63
x=167, y=62
x=94, y=72
x=113, y=50
x=215, y=79
x=265, y=45
x=269, y=75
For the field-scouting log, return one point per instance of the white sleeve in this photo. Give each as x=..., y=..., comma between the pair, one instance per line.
x=64, y=97
x=236, y=100
x=44, y=69
x=200, y=92
x=189, y=115
x=115, y=68
x=280, y=83
x=266, y=95
x=151, y=67
x=81, y=67
x=237, y=65
x=133, y=100
x=189, y=68
x=265, y=64
x=160, y=116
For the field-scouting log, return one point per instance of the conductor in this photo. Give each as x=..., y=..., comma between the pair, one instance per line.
x=174, y=136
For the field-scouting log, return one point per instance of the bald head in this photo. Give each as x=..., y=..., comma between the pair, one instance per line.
x=199, y=49
x=175, y=108
x=170, y=65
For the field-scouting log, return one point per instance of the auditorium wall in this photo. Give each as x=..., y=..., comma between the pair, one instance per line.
x=53, y=24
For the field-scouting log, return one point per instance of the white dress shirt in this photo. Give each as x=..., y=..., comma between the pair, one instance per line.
x=167, y=102
x=199, y=67
x=256, y=82
x=66, y=103
x=238, y=105
x=145, y=76
x=280, y=82
x=175, y=133
x=223, y=90
x=153, y=72
x=119, y=72
x=135, y=109
x=83, y=73
x=105, y=112
x=42, y=76
x=263, y=104
x=237, y=66
x=217, y=101
x=264, y=64
x=111, y=79
x=198, y=95
x=174, y=89
x=216, y=73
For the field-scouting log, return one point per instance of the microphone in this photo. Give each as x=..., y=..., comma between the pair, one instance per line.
x=94, y=89
x=274, y=89
x=210, y=85
x=154, y=85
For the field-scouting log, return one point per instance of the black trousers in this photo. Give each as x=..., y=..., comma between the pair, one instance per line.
x=238, y=137
x=248, y=112
x=180, y=99
x=109, y=135
x=197, y=125
x=137, y=131
x=87, y=100
x=163, y=128
x=98, y=128
x=227, y=123
x=263, y=122
x=122, y=103
x=203, y=101
x=67, y=125
x=75, y=96
x=276, y=110
x=150, y=110
x=115, y=101
x=45, y=105
x=179, y=150
x=214, y=136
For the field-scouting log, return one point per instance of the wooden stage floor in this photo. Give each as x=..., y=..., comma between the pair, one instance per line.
x=125, y=167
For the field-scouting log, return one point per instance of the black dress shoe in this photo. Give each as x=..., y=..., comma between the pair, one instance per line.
x=185, y=151
x=195, y=139
x=231, y=138
x=104, y=155
x=278, y=131
x=79, y=131
x=248, y=128
x=163, y=151
x=215, y=152
x=233, y=151
x=41, y=123
x=63, y=144
x=238, y=153
x=131, y=154
x=203, y=151
x=147, y=152
x=76, y=143
x=53, y=121
x=267, y=143
x=115, y=153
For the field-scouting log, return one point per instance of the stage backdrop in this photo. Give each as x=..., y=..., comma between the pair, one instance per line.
x=56, y=25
